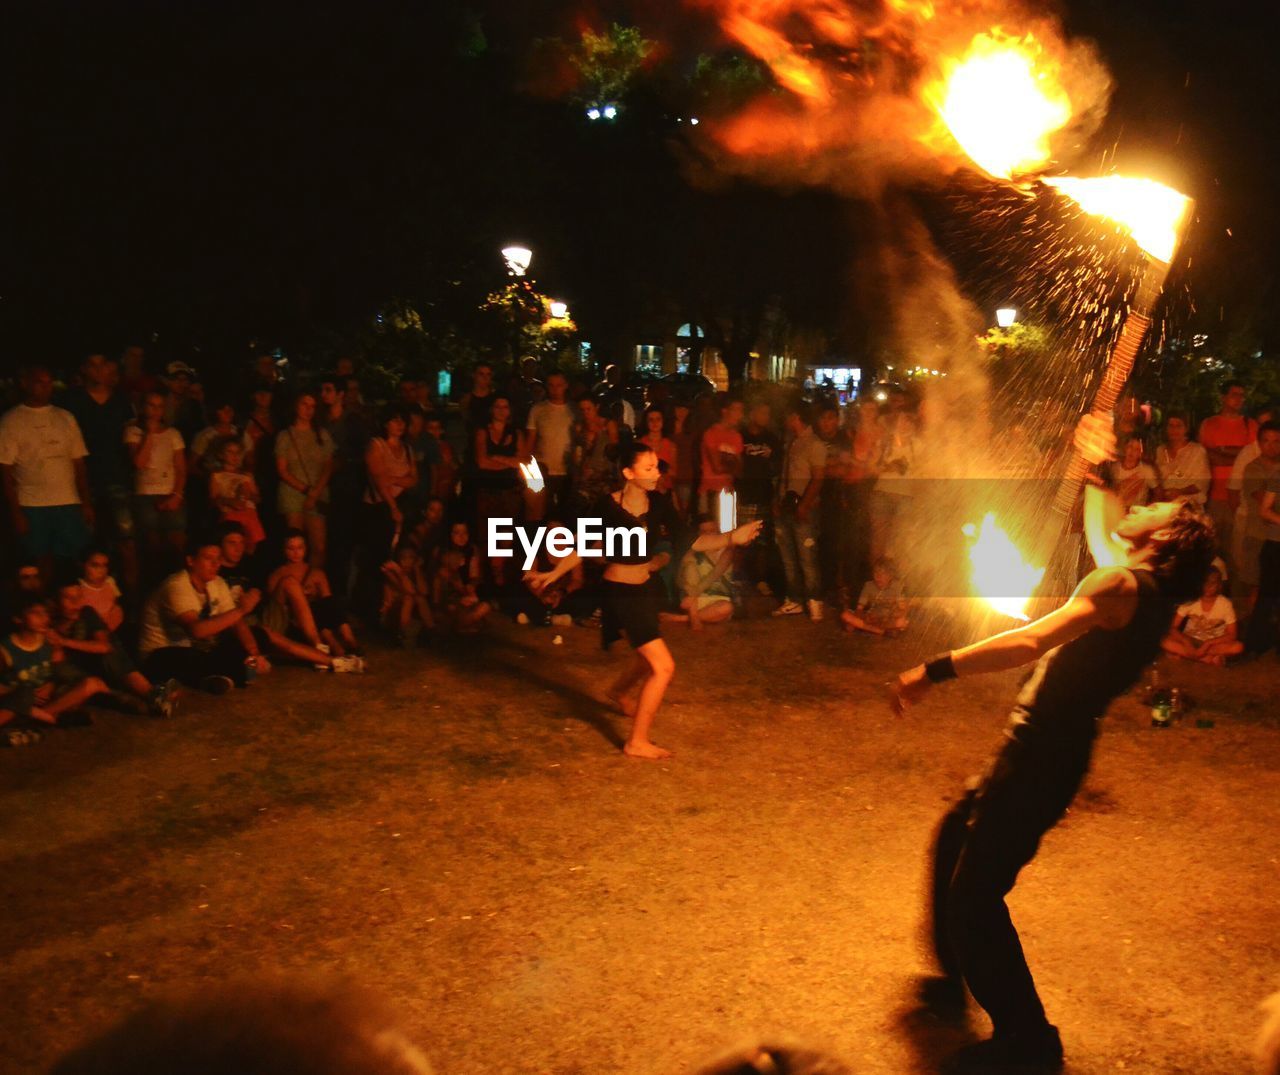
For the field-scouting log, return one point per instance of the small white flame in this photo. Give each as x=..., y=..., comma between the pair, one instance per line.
x=998, y=571
x=532, y=476
x=728, y=511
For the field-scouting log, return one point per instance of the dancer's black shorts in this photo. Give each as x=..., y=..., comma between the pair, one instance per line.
x=631, y=609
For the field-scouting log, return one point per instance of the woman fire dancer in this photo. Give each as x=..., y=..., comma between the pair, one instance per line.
x=633, y=597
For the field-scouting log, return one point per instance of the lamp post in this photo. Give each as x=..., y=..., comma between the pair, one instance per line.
x=517, y=259
x=1006, y=316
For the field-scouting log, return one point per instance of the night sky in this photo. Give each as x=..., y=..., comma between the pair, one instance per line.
x=215, y=173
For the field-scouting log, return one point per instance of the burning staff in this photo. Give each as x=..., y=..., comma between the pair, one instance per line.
x=1087, y=652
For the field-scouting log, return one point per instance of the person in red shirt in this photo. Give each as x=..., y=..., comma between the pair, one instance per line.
x=721, y=455
x=1222, y=437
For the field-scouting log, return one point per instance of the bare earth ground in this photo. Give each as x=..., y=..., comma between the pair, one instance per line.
x=479, y=851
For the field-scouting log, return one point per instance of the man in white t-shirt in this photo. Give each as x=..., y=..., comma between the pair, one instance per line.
x=42, y=468
x=1204, y=630
x=194, y=631
x=551, y=423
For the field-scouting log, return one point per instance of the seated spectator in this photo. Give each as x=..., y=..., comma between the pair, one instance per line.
x=706, y=581
x=32, y=691
x=156, y=449
x=301, y=606
x=234, y=493
x=881, y=608
x=406, y=592
x=457, y=575
x=241, y=577
x=100, y=591
x=560, y=604
x=194, y=631
x=1204, y=630
x=85, y=639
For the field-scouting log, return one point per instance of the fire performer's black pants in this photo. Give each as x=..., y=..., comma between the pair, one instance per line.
x=982, y=844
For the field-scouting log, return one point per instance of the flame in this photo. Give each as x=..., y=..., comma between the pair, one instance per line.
x=997, y=569
x=1002, y=101
x=532, y=475
x=727, y=513
x=1150, y=212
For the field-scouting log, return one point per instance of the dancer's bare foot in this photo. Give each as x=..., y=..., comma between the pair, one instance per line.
x=645, y=749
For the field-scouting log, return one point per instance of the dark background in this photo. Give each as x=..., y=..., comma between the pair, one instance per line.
x=204, y=177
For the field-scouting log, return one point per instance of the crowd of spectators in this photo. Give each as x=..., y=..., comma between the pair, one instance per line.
x=169, y=535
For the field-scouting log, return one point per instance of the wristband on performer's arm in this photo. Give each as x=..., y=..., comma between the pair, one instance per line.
x=940, y=668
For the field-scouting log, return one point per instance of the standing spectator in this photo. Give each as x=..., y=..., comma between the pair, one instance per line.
x=664, y=447
x=891, y=498
x=184, y=402
x=550, y=426
x=498, y=454
x=1182, y=464
x=611, y=397
x=42, y=469
x=831, y=500
x=445, y=475
x=802, y=472
x=346, y=487
x=194, y=631
x=1223, y=436
x=1261, y=486
x=1245, y=489
x=203, y=458
x=103, y=411
x=304, y=465
x=593, y=465
x=1240, y=510
x=721, y=456
x=233, y=492
x=1131, y=478
x=860, y=471
x=391, y=471
x=135, y=381
x=761, y=462
x=476, y=403
x=684, y=436
x=160, y=475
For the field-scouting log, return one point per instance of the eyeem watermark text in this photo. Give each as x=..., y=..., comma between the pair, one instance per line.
x=591, y=538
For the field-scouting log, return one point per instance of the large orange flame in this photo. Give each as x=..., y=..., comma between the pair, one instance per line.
x=1150, y=212
x=1002, y=101
x=1000, y=575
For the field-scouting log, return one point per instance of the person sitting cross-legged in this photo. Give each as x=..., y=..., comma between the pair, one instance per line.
x=881, y=608
x=1204, y=629
x=706, y=581
x=32, y=693
x=91, y=651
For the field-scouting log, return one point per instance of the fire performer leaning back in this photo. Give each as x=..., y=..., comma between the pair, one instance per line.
x=1087, y=652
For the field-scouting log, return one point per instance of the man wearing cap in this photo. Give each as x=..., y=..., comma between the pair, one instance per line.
x=43, y=473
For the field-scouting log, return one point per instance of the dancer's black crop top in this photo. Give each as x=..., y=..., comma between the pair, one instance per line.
x=660, y=522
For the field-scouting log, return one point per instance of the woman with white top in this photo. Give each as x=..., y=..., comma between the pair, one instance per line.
x=1182, y=464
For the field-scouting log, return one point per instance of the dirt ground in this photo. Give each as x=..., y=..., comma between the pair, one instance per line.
x=459, y=831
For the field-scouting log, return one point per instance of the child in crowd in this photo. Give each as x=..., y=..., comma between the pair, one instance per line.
x=81, y=634
x=444, y=477
x=406, y=590
x=1204, y=630
x=431, y=530
x=30, y=680
x=160, y=464
x=706, y=581
x=233, y=491
x=100, y=591
x=457, y=575
x=881, y=608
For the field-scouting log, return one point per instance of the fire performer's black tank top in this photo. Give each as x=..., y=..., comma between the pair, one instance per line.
x=1073, y=684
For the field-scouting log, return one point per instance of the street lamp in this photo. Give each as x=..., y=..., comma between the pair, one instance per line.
x=1006, y=316
x=559, y=310
x=517, y=259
